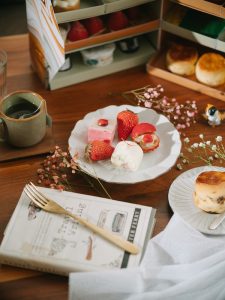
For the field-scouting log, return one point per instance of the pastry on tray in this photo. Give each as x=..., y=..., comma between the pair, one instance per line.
x=65, y=5
x=209, y=194
x=210, y=69
x=181, y=59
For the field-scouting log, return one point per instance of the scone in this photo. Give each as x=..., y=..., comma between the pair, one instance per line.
x=65, y=5
x=209, y=194
x=210, y=69
x=181, y=59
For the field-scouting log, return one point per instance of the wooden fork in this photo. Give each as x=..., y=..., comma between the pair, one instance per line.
x=51, y=206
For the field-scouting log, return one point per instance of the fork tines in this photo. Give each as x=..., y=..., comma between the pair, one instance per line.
x=32, y=192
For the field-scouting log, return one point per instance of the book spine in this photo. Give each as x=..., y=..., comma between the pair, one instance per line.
x=36, y=266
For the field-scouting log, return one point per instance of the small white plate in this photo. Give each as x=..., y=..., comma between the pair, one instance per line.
x=181, y=201
x=153, y=164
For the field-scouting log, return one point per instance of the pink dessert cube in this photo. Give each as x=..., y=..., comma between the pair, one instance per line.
x=102, y=130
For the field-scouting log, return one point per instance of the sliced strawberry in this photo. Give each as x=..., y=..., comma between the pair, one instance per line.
x=126, y=120
x=148, y=143
x=103, y=122
x=144, y=135
x=117, y=20
x=94, y=25
x=141, y=129
x=147, y=138
x=98, y=150
x=77, y=32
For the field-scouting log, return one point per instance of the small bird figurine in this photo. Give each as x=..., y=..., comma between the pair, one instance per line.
x=213, y=115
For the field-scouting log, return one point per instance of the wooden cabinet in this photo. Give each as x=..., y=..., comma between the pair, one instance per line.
x=147, y=31
x=155, y=30
x=172, y=31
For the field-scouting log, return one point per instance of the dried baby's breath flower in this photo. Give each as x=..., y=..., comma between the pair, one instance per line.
x=204, y=152
x=181, y=115
x=219, y=138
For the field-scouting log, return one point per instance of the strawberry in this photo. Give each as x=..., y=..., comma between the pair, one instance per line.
x=94, y=25
x=77, y=32
x=133, y=13
x=126, y=120
x=149, y=142
x=117, y=20
x=98, y=150
x=103, y=122
x=141, y=129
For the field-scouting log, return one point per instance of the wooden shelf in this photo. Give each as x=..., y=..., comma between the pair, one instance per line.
x=122, y=4
x=112, y=36
x=190, y=35
x=95, y=8
x=122, y=61
x=204, y=6
x=216, y=44
x=88, y=9
x=157, y=67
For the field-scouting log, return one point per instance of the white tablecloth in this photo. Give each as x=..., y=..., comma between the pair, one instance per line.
x=179, y=263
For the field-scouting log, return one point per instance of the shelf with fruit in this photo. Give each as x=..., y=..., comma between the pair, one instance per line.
x=178, y=20
x=215, y=8
x=113, y=27
x=94, y=8
x=80, y=72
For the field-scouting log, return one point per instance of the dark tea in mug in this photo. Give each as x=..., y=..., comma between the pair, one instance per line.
x=22, y=110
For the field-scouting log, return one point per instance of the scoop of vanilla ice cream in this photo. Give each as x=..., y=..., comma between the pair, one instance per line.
x=127, y=155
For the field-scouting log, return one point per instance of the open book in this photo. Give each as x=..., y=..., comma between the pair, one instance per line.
x=53, y=243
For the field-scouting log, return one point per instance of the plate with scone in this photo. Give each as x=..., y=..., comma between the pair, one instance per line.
x=198, y=197
x=125, y=144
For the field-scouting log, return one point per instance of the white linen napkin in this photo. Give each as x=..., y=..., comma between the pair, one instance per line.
x=179, y=263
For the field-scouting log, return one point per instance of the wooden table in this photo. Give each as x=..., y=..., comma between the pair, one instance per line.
x=67, y=106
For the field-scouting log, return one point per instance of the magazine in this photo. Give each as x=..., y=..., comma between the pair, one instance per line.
x=54, y=243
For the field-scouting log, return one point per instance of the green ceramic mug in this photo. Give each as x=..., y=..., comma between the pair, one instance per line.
x=23, y=118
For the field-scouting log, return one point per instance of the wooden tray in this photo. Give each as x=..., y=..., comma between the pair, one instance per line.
x=157, y=66
x=205, y=6
x=8, y=152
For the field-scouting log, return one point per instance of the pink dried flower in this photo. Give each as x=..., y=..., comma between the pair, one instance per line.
x=55, y=169
x=151, y=97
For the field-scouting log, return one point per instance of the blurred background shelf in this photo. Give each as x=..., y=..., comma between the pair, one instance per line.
x=122, y=61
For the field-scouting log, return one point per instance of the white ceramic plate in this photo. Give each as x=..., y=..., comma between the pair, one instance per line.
x=153, y=164
x=181, y=201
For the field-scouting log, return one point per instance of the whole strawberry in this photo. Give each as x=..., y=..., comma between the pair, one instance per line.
x=126, y=120
x=94, y=25
x=77, y=32
x=117, y=21
x=98, y=150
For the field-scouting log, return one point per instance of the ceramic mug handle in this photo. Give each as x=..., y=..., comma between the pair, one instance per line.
x=48, y=118
x=2, y=130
